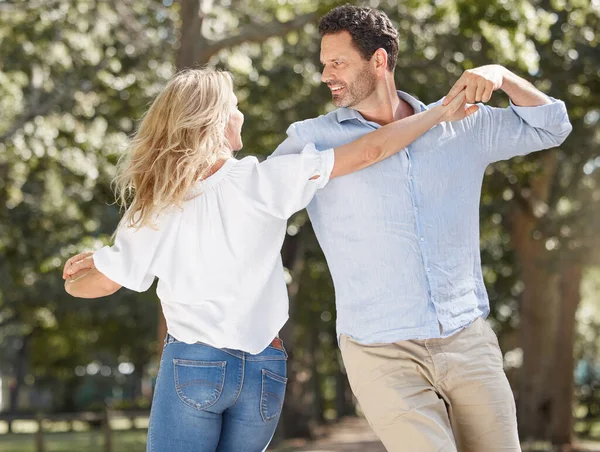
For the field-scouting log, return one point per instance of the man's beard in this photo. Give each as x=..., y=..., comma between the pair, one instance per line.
x=357, y=91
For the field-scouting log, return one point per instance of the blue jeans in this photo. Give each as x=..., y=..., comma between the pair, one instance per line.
x=217, y=400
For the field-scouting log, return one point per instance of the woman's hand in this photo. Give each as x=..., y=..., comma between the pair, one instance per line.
x=78, y=265
x=457, y=109
x=83, y=280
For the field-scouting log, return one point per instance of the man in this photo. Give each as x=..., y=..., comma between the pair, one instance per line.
x=401, y=239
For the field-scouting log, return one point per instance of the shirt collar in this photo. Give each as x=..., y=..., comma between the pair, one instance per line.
x=345, y=114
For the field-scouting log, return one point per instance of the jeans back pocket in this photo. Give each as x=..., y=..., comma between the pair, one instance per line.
x=199, y=384
x=273, y=392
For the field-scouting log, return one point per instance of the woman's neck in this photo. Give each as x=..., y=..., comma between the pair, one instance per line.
x=213, y=169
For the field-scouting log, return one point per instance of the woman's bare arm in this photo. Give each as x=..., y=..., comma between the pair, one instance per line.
x=83, y=280
x=392, y=138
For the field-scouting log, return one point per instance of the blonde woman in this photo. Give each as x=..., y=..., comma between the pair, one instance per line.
x=211, y=227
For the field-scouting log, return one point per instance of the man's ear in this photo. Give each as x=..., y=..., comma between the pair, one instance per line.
x=380, y=58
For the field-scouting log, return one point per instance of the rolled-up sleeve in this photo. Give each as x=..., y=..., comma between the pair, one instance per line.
x=508, y=132
x=285, y=184
x=128, y=261
x=293, y=144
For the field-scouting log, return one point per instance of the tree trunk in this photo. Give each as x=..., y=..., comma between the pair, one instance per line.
x=344, y=399
x=315, y=376
x=344, y=404
x=189, y=42
x=67, y=385
x=562, y=380
x=21, y=370
x=161, y=332
x=137, y=378
x=539, y=304
x=191, y=39
x=195, y=50
x=547, y=315
x=295, y=416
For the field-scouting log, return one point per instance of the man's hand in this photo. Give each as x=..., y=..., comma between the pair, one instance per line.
x=78, y=265
x=478, y=83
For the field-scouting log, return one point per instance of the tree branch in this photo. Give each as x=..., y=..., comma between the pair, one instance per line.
x=256, y=33
x=13, y=7
x=5, y=321
x=524, y=202
x=36, y=109
x=127, y=19
x=124, y=10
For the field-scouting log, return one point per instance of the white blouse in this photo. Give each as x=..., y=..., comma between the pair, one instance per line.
x=218, y=259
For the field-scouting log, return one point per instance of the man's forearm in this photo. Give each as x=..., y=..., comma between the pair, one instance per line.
x=521, y=92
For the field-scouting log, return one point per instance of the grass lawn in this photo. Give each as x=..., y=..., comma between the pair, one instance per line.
x=88, y=441
x=56, y=439
x=92, y=441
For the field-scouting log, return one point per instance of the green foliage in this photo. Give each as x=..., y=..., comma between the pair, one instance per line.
x=75, y=76
x=74, y=79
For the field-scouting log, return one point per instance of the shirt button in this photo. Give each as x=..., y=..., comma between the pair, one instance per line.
x=416, y=209
x=422, y=239
x=428, y=270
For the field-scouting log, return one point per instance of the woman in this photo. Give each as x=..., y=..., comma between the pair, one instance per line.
x=211, y=227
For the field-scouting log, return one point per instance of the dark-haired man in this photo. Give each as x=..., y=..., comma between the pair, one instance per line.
x=401, y=239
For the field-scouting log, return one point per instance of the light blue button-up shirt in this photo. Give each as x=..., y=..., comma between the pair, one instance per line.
x=401, y=237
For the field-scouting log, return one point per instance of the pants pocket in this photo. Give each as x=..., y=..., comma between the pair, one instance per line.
x=272, y=395
x=496, y=357
x=199, y=384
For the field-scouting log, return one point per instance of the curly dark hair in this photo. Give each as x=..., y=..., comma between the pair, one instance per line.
x=370, y=29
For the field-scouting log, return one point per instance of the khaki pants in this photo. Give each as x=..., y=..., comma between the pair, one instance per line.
x=435, y=394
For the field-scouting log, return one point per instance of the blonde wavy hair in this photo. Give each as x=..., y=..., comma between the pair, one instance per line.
x=180, y=138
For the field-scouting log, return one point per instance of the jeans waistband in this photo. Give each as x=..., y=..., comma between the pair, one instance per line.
x=274, y=351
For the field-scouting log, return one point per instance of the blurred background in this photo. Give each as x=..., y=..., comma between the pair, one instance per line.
x=76, y=76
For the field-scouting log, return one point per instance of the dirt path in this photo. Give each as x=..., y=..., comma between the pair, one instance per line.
x=350, y=435
x=355, y=435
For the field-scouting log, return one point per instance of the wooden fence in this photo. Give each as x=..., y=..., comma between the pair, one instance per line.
x=102, y=419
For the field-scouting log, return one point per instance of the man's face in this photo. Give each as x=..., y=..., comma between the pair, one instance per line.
x=350, y=78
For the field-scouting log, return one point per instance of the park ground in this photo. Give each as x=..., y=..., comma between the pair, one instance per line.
x=350, y=435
